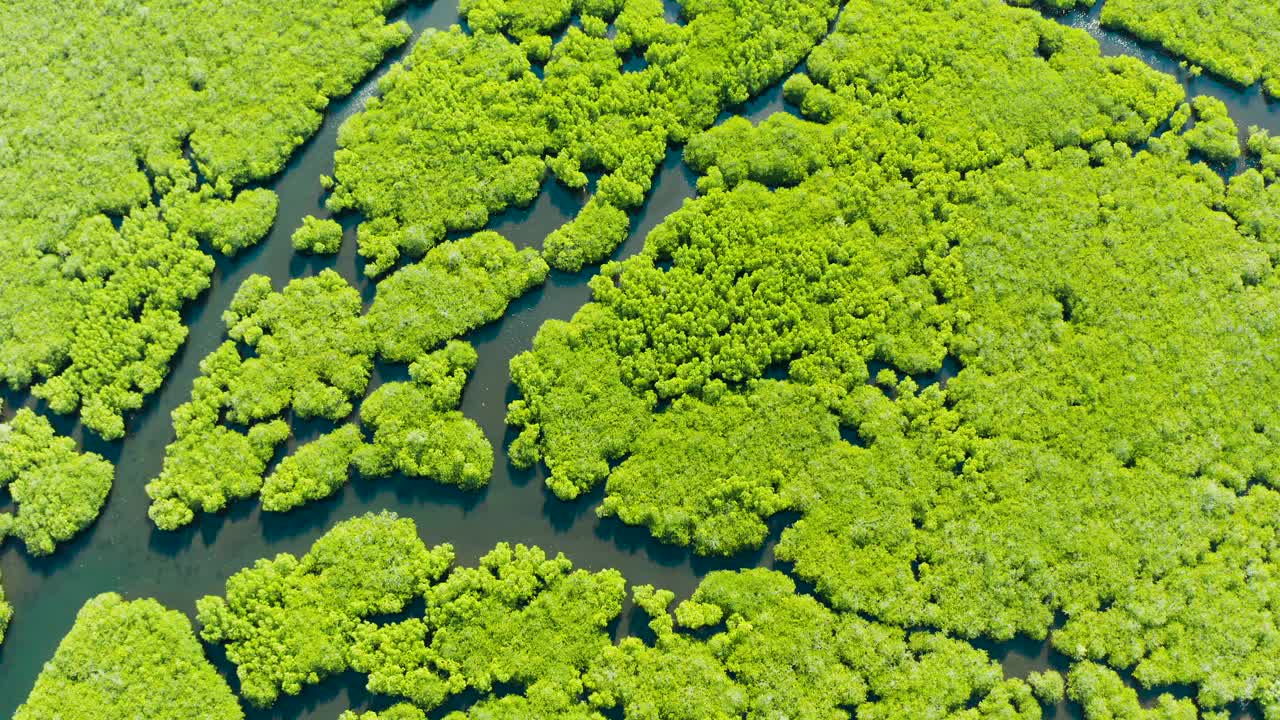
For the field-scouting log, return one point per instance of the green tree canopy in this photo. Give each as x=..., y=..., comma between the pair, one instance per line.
x=520, y=617
x=59, y=491
x=126, y=135
x=1103, y=453
x=465, y=128
x=290, y=621
x=306, y=351
x=417, y=429
x=1232, y=38
x=320, y=237
x=129, y=660
x=456, y=287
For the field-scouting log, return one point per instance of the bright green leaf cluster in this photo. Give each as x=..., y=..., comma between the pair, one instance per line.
x=919, y=86
x=1215, y=135
x=448, y=143
x=403, y=711
x=546, y=702
x=417, y=429
x=465, y=129
x=290, y=621
x=1049, y=686
x=99, y=319
x=309, y=354
x=1103, y=696
x=58, y=490
x=229, y=225
x=320, y=237
x=706, y=474
x=1232, y=38
x=792, y=278
x=308, y=351
x=1267, y=151
x=127, y=129
x=531, y=636
x=130, y=660
x=520, y=19
x=456, y=287
x=1103, y=453
x=520, y=617
x=317, y=470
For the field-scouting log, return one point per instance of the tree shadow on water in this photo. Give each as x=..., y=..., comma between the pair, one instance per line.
x=328, y=698
x=206, y=526
x=301, y=521
x=563, y=515
x=418, y=491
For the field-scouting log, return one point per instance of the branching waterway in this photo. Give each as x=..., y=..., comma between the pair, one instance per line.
x=124, y=552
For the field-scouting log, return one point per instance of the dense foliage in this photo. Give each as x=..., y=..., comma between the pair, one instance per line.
x=58, y=490
x=520, y=617
x=1266, y=150
x=1234, y=38
x=530, y=636
x=417, y=429
x=291, y=621
x=126, y=130
x=321, y=237
x=1102, y=454
x=1215, y=135
x=129, y=660
x=526, y=635
x=966, y=185
x=456, y=287
x=308, y=352
x=706, y=473
x=465, y=128
x=315, y=471
x=1102, y=694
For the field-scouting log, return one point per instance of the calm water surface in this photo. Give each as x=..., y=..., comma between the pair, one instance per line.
x=123, y=552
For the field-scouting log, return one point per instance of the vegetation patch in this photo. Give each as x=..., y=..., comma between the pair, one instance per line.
x=307, y=352
x=58, y=490
x=1232, y=38
x=130, y=659
x=465, y=129
x=128, y=135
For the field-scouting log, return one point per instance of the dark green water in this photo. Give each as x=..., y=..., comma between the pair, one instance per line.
x=123, y=552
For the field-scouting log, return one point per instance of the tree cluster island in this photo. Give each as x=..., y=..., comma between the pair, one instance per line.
x=984, y=320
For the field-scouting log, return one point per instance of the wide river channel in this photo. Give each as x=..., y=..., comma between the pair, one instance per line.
x=124, y=553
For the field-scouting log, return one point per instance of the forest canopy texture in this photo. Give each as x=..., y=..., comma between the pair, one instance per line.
x=1236, y=39
x=58, y=491
x=465, y=128
x=980, y=323
x=529, y=635
x=127, y=132
x=307, y=353
x=1101, y=456
x=130, y=660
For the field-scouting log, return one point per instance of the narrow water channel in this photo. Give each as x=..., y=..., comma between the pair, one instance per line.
x=123, y=552
x=1248, y=105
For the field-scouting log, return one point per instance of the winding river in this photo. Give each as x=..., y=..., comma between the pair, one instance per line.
x=123, y=552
